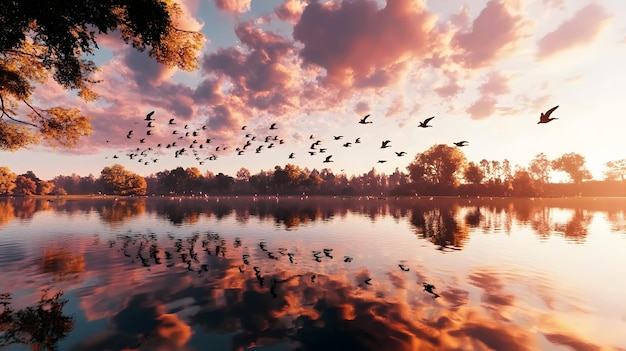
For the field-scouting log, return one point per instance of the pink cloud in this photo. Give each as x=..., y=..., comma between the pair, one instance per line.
x=396, y=107
x=577, y=31
x=451, y=89
x=290, y=10
x=494, y=30
x=234, y=6
x=356, y=43
x=362, y=107
x=495, y=84
x=483, y=108
x=554, y=3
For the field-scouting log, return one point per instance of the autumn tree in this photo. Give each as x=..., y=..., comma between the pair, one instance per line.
x=50, y=39
x=616, y=170
x=119, y=181
x=473, y=174
x=574, y=165
x=440, y=164
x=7, y=181
x=523, y=183
x=539, y=168
x=25, y=186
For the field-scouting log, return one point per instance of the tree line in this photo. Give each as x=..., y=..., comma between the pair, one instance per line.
x=440, y=171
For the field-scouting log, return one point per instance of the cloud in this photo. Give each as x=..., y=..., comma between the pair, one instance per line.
x=362, y=107
x=581, y=29
x=495, y=84
x=482, y=45
x=482, y=108
x=450, y=89
x=290, y=10
x=234, y=6
x=358, y=44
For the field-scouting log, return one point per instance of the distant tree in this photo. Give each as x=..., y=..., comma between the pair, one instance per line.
x=440, y=164
x=496, y=171
x=507, y=174
x=119, y=181
x=223, y=182
x=44, y=187
x=42, y=40
x=473, y=174
x=7, y=181
x=243, y=174
x=616, y=170
x=539, y=168
x=25, y=186
x=523, y=183
x=485, y=167
x=574, y=165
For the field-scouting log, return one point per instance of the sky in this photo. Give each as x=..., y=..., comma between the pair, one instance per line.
x=485, y=69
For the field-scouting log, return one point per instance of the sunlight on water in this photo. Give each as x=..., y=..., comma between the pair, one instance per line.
x=310, y=274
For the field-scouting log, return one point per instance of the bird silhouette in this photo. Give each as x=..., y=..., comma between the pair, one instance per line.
x=401, y=153
x=130, y=132
x=385, y=144
x=545, y=116
x=328, y=159
x=402, y=267
x=364, y=120
x=291, y=155
x=428, y=288
x=273, y=126
x=148, y=116
x=171, y=121
x=338, y=137
x=425, y=123
x=461, y=143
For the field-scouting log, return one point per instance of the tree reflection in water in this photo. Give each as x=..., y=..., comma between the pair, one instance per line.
x=40, y=327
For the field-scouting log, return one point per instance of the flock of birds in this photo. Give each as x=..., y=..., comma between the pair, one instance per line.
x=196, y=142
x=213, y=244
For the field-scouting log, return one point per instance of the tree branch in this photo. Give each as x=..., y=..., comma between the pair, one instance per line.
x=4, y=113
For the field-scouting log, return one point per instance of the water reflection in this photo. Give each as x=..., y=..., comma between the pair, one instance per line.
x=41, y=326
x=318, y=274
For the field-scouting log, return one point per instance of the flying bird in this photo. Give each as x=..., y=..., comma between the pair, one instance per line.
x=328, y=159
x=338, y=137
x=148, y=116
x=171, y=121
x=364, y=120
x=545, y=117
x=273, y=126
x=130, y=132
x=425, y=123
x=385, y=144
x=461, y=143
x=401, y=153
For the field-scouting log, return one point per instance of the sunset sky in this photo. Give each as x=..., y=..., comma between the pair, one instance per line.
x=485, y=69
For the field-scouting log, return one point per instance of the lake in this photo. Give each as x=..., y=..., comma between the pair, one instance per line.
x=294, y=273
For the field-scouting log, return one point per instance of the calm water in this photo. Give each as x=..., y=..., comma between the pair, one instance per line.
x=313, y=274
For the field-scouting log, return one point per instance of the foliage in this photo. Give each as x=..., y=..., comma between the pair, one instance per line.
x=616, y=170
x=440, y=165
x=539, y=168
x=574, y=165
x=7, y=181
x=473, y=174
x=119, y=181
x=25, y=186
x=49, y=39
